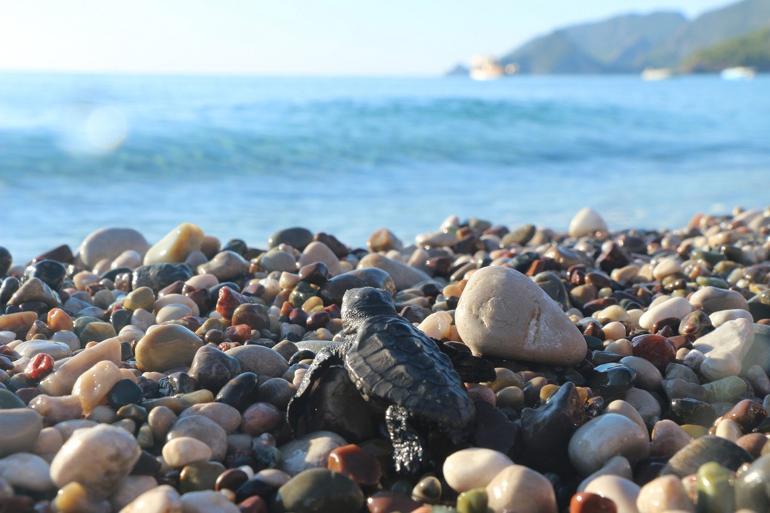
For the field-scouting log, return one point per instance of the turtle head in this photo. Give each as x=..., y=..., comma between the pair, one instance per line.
x=359, y=304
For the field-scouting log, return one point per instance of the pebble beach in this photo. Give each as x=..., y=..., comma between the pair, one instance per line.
x=590, y=371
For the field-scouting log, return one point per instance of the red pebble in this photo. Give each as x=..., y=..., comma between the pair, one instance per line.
x=585, y=502
x=238, y=333
x=228, y=301
x=389, y=502
x=39, y=366
x=355, y=463
x=655, y=349
x=253, y=504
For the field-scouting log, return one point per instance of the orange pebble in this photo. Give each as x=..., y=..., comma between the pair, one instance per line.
x=58, y=320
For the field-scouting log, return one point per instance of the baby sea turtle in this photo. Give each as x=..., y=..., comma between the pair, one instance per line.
x=394, y=372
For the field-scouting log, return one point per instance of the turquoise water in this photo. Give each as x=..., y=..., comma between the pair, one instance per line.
x=242, y=156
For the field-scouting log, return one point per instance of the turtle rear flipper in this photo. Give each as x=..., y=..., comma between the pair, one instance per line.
x=408, y=445
x=471, y=369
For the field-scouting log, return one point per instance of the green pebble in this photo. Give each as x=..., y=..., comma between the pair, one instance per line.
x=97, y=331
x=707, y=281
x=751, y=487
x=472, y=501
x=715, y=489
x=9, y=400
x=301, y=293
x=725, y=390
x=200, y=475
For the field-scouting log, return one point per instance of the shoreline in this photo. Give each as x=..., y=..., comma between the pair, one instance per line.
x=517, y=367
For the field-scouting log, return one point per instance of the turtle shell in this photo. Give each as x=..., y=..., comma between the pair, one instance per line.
x=392, y=361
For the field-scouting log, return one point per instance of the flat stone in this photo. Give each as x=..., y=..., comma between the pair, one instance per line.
x=163, y=499
x=165, y=347
x=184, y=450
x=333, y=290
x=506, y=490
x=62, y=380
x=204, y=429
x=33, y=290
x=503, y=313
x=98, y=458
x=94, y=384
x=664, y=493
x=159, y=276
x=586, y=222
x=473, y=468
x=226, y=265
x=109, y=243
x=667, y=439
x=722, y=316
x=320, y=252
x=606, y=436
x=26, y=471
x=623, y=492
x=725, y=348
x=309, y=451
x=18, y=323
x=295, y=237
x=260, y=360
x=277, y=260
x=212, y=368
x=404, y=276
x=714, y=299
x=130, y=488
x=19, y=429
x=30, y=348
x=207, y=501
x=223, y=414
x=672, y=308
x=175, y=245
x=702, y=450
x=320, y=490
x=383, y=240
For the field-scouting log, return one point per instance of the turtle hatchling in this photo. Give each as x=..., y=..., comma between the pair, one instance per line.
x=386, y=374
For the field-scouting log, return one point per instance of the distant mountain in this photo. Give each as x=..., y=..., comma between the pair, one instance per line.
x=631, y=42
x=752, y=50
x=609, y=46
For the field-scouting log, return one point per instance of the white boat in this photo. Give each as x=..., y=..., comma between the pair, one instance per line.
x=738, y=73
x=485, y=68
x=656, y=74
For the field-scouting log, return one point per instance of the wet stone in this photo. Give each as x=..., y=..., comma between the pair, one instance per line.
x=211, y=368
x=159, y=276
x=201, y=475
x=355, y=463
x=703, y=450
x=320, y=490
x=612, y=380
x=124, y=392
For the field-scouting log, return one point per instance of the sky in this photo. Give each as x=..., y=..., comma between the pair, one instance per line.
x=285, y=37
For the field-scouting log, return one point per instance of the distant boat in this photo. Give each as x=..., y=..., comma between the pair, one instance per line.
x=656, y=74
x=485, y=68
x=738, y=73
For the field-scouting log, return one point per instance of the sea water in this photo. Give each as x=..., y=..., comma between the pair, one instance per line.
x=243, y=156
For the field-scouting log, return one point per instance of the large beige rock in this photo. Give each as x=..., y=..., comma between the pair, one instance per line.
x=176, y=245
x=586, y=222
x=503, y=313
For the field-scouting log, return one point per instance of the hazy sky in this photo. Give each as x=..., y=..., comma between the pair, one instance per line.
x=284, y=36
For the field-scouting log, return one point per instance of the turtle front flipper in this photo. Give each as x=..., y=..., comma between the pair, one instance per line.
x=297, y=410
x=327, y=400
x=408, y=445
